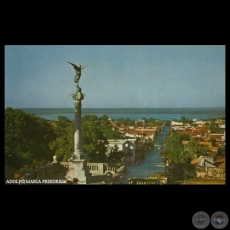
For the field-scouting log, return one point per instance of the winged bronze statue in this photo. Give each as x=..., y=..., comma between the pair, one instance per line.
x=78, y=70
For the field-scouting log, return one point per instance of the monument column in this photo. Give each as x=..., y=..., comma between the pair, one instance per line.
x=78, y=171
x=78, y=153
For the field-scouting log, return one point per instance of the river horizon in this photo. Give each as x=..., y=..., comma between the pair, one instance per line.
x=131, y=113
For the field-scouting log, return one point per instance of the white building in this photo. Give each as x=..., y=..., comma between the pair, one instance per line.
x=126, y=145
x=173, y=123
x=204, y=161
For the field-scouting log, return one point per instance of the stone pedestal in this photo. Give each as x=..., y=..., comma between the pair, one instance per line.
x=78, y=172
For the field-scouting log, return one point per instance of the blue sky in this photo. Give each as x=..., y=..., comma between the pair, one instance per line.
x=116, y=76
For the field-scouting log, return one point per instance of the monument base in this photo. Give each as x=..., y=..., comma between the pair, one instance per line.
x=77, y=155
x=78, y=172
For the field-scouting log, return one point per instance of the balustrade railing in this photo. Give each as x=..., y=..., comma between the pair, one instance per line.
x=147, y=181
x=111, y=167
x=93, y=167
x=98, y=167
x=64, y=164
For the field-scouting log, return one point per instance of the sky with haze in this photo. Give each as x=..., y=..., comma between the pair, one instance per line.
x=116, y=76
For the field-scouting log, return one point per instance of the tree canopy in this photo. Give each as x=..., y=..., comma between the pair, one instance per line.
x=27, y=138
x=175, y=151
x=115, y=155
x=94, y=142
x=63, y=144
x=214, y=128
x=221, y=151
x=93, y=139
x=186, y=120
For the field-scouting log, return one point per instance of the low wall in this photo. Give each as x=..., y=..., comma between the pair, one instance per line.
x=211, y=173
x=147, y=181
x=45, y=171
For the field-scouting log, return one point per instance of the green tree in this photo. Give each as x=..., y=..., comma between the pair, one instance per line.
x=94, y=142
x=63, y=145
x=202, y=150
x=116, y=155
x=221, y=151
x=110, y=134
x=27, y=138
x=151, y=120
x=192, y=147
x=104, y=121
x=174, y=149
x=150, y=143
x=93, y=139
x=214, y=128
x=186, y=120
x=87, y=118
x=127, y=121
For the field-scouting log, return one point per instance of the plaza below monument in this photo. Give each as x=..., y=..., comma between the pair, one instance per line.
x=100, y=173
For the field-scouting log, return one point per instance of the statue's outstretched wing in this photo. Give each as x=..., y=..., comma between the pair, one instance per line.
x=75, y=66
x=84, y=67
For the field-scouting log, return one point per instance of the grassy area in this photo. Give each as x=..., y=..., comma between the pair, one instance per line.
x=204, y=181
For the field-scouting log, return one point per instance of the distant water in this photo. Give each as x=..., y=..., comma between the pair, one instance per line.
x=132, y=113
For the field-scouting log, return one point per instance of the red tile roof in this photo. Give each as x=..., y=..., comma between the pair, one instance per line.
x=188, y=131
x=216, y=137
